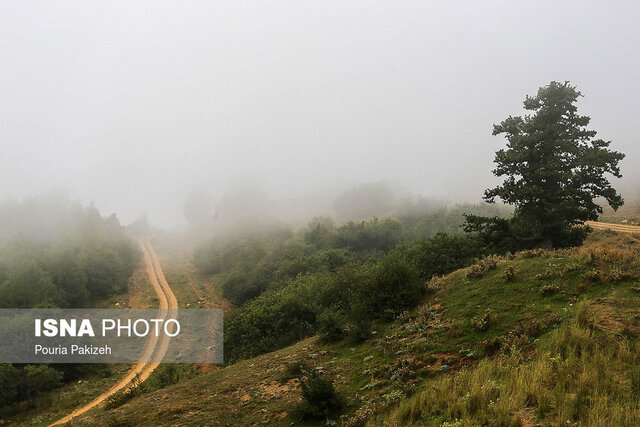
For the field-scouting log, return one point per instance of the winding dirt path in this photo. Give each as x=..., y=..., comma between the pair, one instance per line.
x=169, y=303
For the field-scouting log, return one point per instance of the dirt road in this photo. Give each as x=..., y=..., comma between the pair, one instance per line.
x=622, y=228
x=168, y=302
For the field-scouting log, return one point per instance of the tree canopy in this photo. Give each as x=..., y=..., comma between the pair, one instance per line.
x=554, y=170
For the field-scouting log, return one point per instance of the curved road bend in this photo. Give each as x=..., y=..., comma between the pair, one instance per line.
x=167, y=301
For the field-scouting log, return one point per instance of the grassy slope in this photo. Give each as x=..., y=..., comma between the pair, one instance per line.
x=406, y=358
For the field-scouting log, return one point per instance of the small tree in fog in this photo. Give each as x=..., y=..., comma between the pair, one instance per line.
x=554, y=170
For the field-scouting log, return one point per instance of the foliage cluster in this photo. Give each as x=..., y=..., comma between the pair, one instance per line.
x=55, y=253
x=347, y=302
x=74, y=267
x=248, y=266
x=319, y=399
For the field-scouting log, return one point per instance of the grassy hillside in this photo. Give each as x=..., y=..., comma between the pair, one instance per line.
x=542, y=336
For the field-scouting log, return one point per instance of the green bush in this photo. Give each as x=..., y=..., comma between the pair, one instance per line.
x=319, y=399
x=271, y=321
x=444, y=253
x=331, y=324
x=484, y=322
x=394, y=287
x=344, y=302
x=550, y=289
x=373, y=235
x=168, y=374
x=320, y=233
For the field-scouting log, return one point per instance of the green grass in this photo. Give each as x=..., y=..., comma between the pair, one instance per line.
x=534, y=302
x=581, y=374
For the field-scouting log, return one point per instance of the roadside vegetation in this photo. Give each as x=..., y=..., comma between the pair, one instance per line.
x=470, y=315
x=56, y=253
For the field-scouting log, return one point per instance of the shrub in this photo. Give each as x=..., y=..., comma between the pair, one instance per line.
x=239, y=288
x=375, y=234
x=444, y=253
x=41, y=378
x=509, y=273
x=271, y=321
x=451, y=219
x=168, y=374
x=251, y=266
x=320, y=232
x=319, y=399
x=492, y=345
x=531, y=253
x=359, y=328
x=618, y=276
x=482, y=323
x=434, y=285
x=550, y=289
x=331, y=325
x=393, y=286
x=483, y=266
x=547, y=274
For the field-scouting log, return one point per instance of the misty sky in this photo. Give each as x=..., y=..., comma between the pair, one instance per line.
x=133, y=104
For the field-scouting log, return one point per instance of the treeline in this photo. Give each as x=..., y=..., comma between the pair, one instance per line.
x=56, y=253
x=346, y=302
x=337, y=280
x=248, y=267
x=84, y=260
x=71, y=273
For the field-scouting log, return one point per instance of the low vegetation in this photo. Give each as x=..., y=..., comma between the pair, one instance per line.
x=163, y=376
x=491, y=349
x=346, y=303
x=582, y=373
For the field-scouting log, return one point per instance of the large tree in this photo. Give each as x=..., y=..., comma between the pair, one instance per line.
x=554, y=171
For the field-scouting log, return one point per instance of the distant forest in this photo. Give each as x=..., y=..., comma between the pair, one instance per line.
x=56, y=253
x=338, y=280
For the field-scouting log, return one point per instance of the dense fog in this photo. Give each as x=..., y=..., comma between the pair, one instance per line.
x=184, y=109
